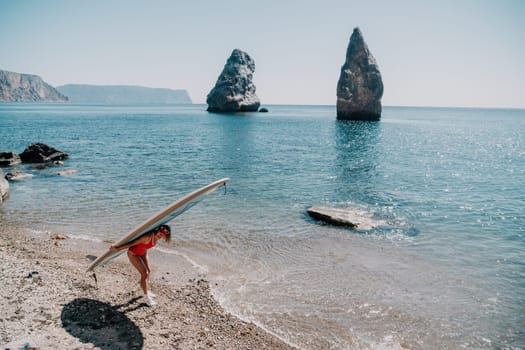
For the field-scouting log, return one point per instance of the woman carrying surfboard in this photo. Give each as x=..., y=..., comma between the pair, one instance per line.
x=138, y=255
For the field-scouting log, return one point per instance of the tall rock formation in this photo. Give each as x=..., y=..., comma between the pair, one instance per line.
x=360, y=86
x=234, y=90
x=17, y=87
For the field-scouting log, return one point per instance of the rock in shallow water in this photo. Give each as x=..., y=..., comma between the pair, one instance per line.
x=351, y=218
x=17, y=175
x=42, y=153
x=9, y=158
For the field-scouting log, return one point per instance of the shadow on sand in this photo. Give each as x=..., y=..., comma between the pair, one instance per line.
x=102, y=324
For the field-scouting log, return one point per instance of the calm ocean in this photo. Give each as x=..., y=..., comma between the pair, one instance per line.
x=446, y=270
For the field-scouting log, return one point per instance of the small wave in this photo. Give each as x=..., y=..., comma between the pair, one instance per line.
x=201, y=268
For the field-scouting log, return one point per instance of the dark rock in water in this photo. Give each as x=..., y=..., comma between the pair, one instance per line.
x=263, y=110
x=360, y=87
x=4, y=187
x=42, y=153
x=352, y=218
x=234, y=90
x=17, y=87
x=9, y=158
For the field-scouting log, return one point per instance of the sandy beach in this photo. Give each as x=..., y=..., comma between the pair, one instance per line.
x=48, y=302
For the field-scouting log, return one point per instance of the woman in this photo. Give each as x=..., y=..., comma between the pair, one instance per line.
x=138, y=255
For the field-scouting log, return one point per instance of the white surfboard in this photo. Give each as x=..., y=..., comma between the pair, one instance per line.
x=167, y=214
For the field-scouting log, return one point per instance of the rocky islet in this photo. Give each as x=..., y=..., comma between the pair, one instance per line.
x=234, y=90
x=360, y=86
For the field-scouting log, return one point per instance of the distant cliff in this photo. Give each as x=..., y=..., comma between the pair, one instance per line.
x=17, y=87
x=123, y=94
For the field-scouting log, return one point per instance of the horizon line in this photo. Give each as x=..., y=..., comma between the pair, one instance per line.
x=262, y=105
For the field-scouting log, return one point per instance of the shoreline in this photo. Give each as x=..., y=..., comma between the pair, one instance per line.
x=49, y=302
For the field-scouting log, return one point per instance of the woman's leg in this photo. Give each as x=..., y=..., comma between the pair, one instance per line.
x=140, y=265
x=145, y=260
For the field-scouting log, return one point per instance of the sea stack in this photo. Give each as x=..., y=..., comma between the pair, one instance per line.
x=234, y=90
x=360, y=87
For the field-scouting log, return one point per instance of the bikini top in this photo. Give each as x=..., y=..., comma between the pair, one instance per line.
x=141, y=248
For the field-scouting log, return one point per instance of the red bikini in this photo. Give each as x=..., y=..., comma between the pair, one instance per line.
x=140, y=249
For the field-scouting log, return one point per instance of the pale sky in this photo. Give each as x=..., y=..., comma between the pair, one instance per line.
x=456, y=53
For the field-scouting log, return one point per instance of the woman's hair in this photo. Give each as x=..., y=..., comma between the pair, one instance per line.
x=167, y=238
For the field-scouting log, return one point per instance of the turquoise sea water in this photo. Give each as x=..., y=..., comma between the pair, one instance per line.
x=445, y=270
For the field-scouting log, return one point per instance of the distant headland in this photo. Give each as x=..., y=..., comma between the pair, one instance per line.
x=123, y=94
x=21, y=87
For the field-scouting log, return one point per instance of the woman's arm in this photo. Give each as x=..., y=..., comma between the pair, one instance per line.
x=114, y=248
x=142, y=239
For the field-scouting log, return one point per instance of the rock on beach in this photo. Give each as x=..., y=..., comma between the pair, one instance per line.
x=4, y=187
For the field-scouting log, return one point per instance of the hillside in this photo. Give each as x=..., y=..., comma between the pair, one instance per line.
x=19, y=87
x=123, y=94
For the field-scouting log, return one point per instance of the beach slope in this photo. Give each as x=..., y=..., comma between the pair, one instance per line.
x=48, y=302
